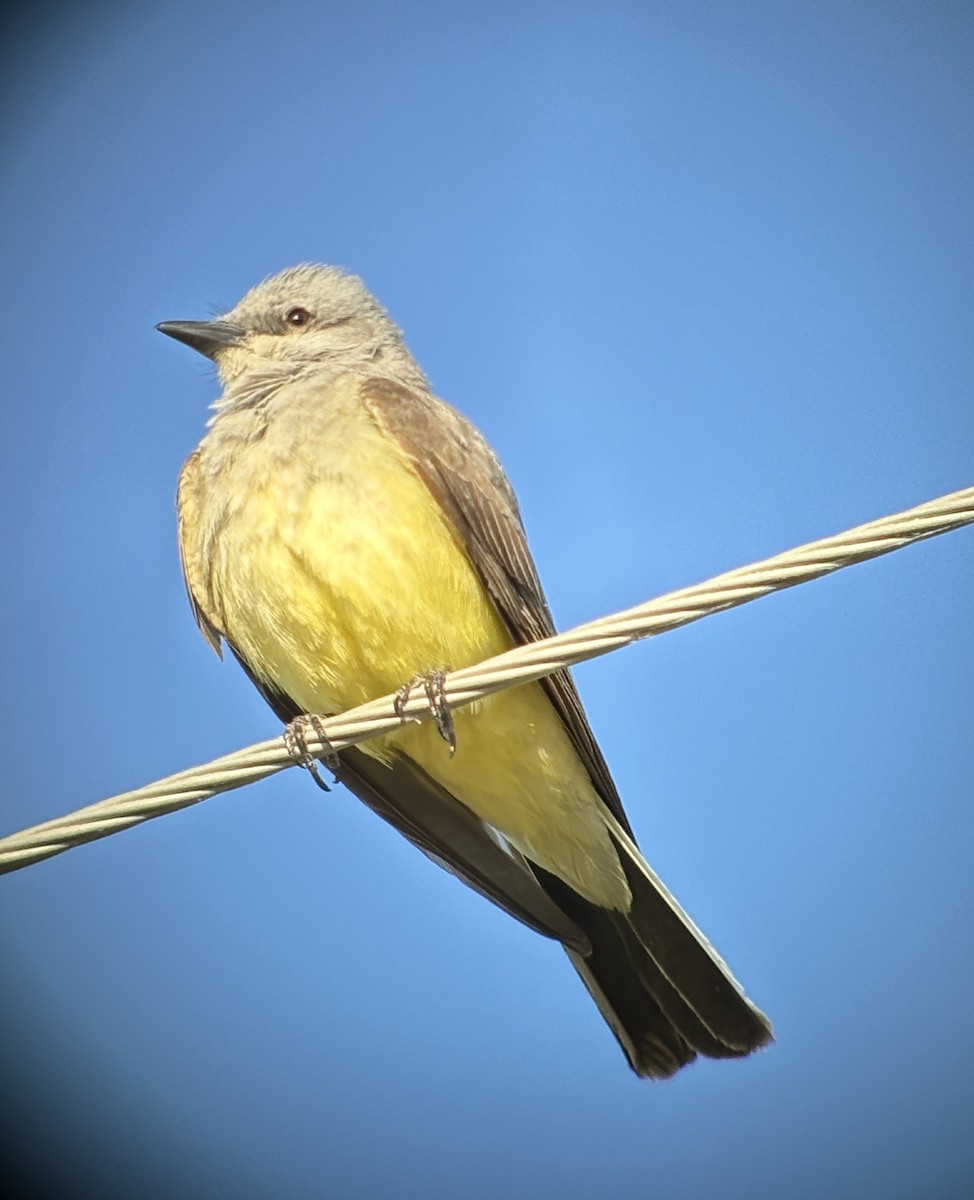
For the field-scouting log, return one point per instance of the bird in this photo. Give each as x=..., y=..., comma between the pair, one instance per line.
x=347, y=534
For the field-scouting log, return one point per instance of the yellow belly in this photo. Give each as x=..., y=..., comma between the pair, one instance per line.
x=345, y=588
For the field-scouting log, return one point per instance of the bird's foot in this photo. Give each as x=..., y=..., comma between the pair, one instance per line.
x=296, y=741
x=433, y=686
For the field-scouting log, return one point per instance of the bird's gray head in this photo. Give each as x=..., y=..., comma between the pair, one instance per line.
x=304, y=317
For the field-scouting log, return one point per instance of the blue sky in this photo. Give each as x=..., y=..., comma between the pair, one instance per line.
x=703, y=274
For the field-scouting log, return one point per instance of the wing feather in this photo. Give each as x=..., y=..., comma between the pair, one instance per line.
x=466, y=479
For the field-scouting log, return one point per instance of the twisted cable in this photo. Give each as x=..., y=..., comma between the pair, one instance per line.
x=520, y=665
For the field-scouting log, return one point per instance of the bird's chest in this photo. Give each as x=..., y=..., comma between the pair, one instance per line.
x=335, y=573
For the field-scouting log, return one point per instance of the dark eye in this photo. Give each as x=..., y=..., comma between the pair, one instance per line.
x=297, y=316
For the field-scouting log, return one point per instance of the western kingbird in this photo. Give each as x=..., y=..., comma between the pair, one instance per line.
x=346, y=532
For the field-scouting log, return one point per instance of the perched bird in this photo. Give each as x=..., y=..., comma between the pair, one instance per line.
x=345, y=533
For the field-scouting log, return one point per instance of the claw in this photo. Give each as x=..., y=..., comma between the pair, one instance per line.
x=296, y=742
x=433, y=686
x=402, y=698
x=440, y=709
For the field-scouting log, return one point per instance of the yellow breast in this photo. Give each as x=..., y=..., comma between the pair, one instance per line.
x=344, y=586
x=338, y=579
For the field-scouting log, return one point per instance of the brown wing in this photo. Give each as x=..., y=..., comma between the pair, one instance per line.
x=661, y=987
x=469, y=484
x=195, y=576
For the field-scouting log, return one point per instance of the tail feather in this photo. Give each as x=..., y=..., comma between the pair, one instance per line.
x=688, y=962
x=619, y=976
x=660, y=986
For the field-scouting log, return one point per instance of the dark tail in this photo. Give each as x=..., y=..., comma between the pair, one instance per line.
x=663, y=990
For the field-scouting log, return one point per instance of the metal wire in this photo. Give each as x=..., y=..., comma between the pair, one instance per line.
x=521, y=665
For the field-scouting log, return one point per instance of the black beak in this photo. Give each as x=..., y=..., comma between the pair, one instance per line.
x=208, y=337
